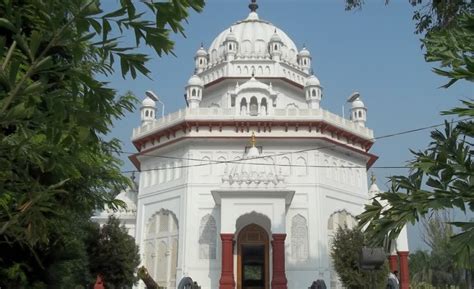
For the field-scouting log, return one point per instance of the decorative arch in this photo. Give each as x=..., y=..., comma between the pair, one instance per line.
x=264, y=106
x=222, y=166
x=301, y=167
x=243, y=106
x=299, y=238
x=205, y=168
x=253, y=106
x=253, y=218
x=161, y=248
x=267, y=70
x=207, y=237
x=292, y=106
x=285, y=166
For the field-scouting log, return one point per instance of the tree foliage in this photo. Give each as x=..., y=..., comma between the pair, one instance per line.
x=436, y=267
x=55, y=164
x=429, y=14
x=441, y=177
x=114, y=255
x=345, y=251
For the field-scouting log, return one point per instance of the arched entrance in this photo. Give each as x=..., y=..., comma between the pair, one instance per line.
x=252, y=258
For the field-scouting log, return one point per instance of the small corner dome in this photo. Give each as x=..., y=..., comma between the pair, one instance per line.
x=312, y=81
x=304, y=53
x=358, y=103
x=195, y=81
x=275, y=37
x=201, y=52
x=148, y=102
x=373, y=190
x=231, y=36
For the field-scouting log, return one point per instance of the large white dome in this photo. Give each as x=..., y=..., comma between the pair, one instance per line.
x=253, y=35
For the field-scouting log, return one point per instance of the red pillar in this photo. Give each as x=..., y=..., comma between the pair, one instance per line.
x=227, y=270
x=404, y=273
x=279, y=274
x=393, y=262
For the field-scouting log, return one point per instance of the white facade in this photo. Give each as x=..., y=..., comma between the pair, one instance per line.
x=303, y=175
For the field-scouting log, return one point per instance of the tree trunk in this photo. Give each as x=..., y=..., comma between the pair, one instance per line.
x=146, y=278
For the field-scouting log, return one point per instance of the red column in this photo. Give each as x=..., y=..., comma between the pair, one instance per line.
x=393, y=262
x=279, y=274
x=404, y=273
x=227, y=270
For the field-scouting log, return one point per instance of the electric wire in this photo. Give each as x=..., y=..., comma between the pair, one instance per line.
x=210, y=162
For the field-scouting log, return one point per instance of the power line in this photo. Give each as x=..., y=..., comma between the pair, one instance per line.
x=210, y=162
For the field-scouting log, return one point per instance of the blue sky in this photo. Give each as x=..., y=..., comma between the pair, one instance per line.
x=373, y=51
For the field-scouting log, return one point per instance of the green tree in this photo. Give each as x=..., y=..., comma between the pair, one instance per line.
x=442, y=176
x=437, y=266
x=420, y=267
x=55, y=165
x=114, y=255
x=345, y=250
x=429, y=15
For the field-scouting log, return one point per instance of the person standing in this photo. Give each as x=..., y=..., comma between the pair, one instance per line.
x=393, y=282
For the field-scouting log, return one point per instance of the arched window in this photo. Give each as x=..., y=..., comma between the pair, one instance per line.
x=253, y=106
x=304, y=61
x=200, y=61
x=313, y=92
x=161, y=248
x=151, y=113
x=360, y=113
x=276, y=47
x=263, y=106
x=193, y=93
x=230, y=46
x=146, y=113
x=299, y=238
x=207, y=237
x=243, y=106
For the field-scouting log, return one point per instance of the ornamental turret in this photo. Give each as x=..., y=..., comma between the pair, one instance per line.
x=304, y=60
x=230, y=46
x=147, y=111
x=313, y=92
x=194, y=91
x=201, y=59
x=358, y=110
x=275, y=45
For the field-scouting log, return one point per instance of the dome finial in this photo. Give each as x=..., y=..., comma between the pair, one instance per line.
x=253, y=5
x=253, y=139
x=373, y=179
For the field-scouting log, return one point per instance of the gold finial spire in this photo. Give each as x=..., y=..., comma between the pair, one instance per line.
x=253, y=139
x=373, y=179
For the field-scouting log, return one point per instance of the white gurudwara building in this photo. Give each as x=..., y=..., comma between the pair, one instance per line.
x=247, y=185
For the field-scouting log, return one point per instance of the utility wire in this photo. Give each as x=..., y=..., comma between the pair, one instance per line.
x=210, y=162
